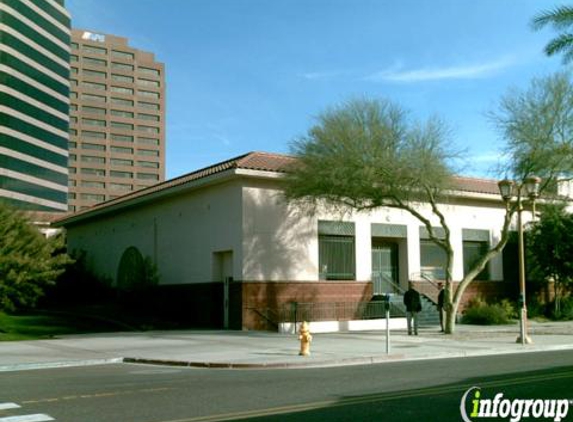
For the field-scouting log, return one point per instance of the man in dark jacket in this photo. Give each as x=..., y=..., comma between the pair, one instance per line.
x=441, y=305
x=413, y=306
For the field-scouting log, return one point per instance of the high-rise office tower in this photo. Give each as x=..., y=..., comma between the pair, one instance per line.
x=117, y=123
x=34, y=104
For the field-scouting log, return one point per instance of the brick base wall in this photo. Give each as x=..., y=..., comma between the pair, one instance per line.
x=261, y=299
x=489, y=290
x=255, y=305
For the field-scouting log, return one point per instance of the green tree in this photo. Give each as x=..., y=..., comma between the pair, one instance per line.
x=368, y=154
x=561, y=19
x=537, y=126
x=550, y=249
x=29, y=262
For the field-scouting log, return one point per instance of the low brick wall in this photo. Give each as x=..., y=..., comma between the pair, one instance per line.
x=256, y=305
x=489, y=290
x=273, y=295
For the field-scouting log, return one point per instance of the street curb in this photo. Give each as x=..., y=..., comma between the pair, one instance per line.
x=307, y=363
x=370, y=360
x=63, y=364
x=278, y=365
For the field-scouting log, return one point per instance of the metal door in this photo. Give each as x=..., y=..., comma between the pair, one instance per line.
x=385, y=266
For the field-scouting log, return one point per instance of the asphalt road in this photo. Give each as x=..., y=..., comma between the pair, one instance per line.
x=401, y=391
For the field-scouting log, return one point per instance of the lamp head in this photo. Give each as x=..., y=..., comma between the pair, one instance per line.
x=532, y=184
x=506, y=189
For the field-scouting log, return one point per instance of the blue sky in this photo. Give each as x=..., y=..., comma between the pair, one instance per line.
x=251, y=75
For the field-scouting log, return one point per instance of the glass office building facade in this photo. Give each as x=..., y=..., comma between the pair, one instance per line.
x=34, y=104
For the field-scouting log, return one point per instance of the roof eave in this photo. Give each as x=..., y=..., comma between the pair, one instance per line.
x=103, y=210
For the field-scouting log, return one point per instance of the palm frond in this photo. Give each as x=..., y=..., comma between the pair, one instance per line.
x=560, y=18
x=561, y=44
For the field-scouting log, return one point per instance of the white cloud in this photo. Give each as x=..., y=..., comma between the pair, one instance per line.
x=488, y=158
x=321, y=75
x=441, y=73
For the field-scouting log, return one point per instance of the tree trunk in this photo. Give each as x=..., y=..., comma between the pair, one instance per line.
x=449, y=308
x=450, y=320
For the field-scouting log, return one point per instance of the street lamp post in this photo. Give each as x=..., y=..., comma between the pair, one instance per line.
x=529, y=187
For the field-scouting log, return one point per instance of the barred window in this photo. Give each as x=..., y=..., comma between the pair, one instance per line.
x=336, y=257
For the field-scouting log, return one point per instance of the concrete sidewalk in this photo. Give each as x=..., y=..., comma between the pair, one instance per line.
x=241, y=349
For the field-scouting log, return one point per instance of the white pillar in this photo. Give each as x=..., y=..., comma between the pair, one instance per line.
x=363, y=239
x=456, y=239
x=413, y=250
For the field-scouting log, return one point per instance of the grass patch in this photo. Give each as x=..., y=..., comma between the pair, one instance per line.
x=38, y=325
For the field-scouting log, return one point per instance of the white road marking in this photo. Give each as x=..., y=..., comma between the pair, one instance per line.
x=28, y=418
x=6, y=406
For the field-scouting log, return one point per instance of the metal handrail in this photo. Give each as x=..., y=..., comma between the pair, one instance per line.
x=426, y=277
x=389, y=281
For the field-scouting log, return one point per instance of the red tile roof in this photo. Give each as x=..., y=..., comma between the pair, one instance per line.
x=262, y=161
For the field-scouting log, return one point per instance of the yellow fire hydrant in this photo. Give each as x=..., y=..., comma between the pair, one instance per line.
x=305, y=338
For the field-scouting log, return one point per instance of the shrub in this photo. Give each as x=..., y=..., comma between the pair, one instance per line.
x=79, y=285
x=565, y=310
x=29, y=261
x=479, y=312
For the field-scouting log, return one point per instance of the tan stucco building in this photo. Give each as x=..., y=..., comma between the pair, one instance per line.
x=233, y=253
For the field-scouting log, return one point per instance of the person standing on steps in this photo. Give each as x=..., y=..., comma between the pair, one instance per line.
x=441, y=305
x=413, y=306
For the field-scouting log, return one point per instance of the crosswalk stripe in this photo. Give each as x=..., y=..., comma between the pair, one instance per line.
x=28, y=418
x=5, y=406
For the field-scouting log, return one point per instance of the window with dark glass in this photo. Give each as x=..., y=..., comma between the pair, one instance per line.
x=336, y=250
x=432, y=260
x=475, y=246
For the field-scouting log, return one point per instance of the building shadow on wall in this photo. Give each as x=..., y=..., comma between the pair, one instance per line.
x=279, y=267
